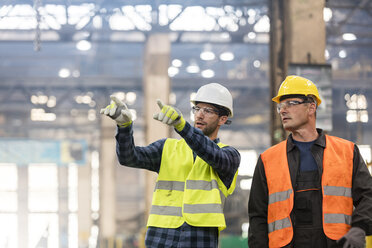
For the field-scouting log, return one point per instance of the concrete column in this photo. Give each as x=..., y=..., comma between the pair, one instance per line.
x=22, y=206
x=156, y=85
x=63, y=206
x=297, y=35
x=84, y=203
x=307, y=32
x=108, y=164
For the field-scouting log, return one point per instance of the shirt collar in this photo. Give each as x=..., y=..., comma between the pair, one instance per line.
x=320, y=141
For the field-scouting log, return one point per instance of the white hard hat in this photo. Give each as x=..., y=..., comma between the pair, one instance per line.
x=216, y=94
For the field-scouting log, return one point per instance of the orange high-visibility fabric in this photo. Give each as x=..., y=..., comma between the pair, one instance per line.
x=278, y=180
x=337, y=171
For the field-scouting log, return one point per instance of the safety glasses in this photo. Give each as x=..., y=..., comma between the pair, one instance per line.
x=204, y=111
x=289, y=104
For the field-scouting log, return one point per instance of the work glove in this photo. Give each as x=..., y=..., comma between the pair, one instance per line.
x=118, y=111
x=354, y=238
x=170, y=116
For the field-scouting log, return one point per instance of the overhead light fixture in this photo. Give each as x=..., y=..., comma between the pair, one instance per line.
x=251, y=35
x=64, y=73
x=327, y=14
x=326, y=54
x=52, y=102
x=349, y=36
x=177, y=63
x=84, y=45
x=131, y=98
x=207, y=73
x=207, y=54
x=173, y=71
x=342, y=54
x=39, y=114
x=262, y=25
x=227, y=56
x=193, y=67
x=257, y=63
x=357, y=105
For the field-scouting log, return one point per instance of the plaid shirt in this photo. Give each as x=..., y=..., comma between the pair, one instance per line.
x=225, y=161
x=185, y=236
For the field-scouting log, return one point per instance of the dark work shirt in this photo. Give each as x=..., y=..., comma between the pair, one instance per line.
x=307, y=161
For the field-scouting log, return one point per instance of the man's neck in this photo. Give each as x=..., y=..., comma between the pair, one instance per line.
x=305, y=135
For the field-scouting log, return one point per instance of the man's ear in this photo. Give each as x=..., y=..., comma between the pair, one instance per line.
x=222, y=120
x=312, y=108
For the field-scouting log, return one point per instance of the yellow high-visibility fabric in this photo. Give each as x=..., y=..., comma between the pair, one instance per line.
x=199, y=202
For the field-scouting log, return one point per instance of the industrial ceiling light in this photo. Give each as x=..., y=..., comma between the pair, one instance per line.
x=262, y=25
x=257, y=63
x=193, y=67
x=357, y=105
x=327, y=14
x=64, y=73
x=173, y=71
x=342, y=54
x=326, y=54
x=207, y=55
x=251, y=35
x=207, y=73
x=83, y=45
x=349, y=36
x=177, y=63
x=227, y=56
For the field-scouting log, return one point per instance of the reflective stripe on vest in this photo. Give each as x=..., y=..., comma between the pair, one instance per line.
x=279, y=224
x=336, y=185
x=170, y=185
x=337, y=218
x=166, y=210
x=280, y=196
x=337, y=191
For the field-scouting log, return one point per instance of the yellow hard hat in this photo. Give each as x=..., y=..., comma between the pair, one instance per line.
x=296, y=85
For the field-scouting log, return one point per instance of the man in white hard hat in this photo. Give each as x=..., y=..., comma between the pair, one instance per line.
x=195, y=174
x=313, y=189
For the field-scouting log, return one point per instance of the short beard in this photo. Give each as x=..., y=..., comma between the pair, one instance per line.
x=208, y=130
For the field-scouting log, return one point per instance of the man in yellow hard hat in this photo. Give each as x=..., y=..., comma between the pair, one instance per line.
x=311, y=190
x=195, y=174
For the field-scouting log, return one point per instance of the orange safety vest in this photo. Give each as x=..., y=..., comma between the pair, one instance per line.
x=336, y=189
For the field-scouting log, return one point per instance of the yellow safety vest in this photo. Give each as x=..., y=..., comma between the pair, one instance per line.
x=336, y=189
x=187, y=191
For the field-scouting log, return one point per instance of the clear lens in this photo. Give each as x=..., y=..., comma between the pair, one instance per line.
x=205, y=111
x=288, y=104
